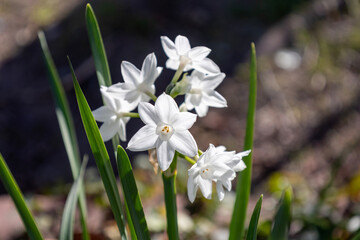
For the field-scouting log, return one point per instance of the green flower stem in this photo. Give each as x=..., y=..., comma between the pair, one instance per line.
x=178, y=73
x=175, y=78
x=132, y=115
x=244, y=178
x=152, y=96
x=169, y=180
x=18, y=199
x=190, y=160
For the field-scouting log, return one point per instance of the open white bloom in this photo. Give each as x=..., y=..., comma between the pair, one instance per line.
x=217, y=165
x=137, y=84
x=112, y=115
x=201, y=94
x=166, y=130
x=180, y=53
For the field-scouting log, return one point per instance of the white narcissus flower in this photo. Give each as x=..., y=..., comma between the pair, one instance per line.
x=166, y=130
x=217, y=165
x=113, y=116
x=181, y=54
x=137, y=85
x=202, y=94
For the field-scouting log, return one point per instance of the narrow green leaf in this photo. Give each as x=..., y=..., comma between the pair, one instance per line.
x=67, y=221
x=282, y=219
x=244, y=177
x=13, y=189
x=99, y=55
x=252, y=230
x=131, y=194
x=101, y=155
x=66, y=124
x=97, y=47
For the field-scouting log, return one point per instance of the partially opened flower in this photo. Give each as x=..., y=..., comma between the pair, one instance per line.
x=138, y=85
x=202, y=94
x=113, y=115
x=217, y=165
x=166, y=130
x=181, y=54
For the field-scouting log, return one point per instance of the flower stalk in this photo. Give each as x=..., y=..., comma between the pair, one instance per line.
x=169, y=180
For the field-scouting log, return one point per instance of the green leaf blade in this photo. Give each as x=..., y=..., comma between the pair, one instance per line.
x=67, y=221
x=244, y=177
x=66, y=125
x=252, y=230
x=282, y=219
x=131, y=194
x=18, y=199
x=100, y=154
x=97, y=47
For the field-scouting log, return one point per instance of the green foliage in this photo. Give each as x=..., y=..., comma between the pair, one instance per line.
x=131, y=194
x=67, y=221
x=282, y=219
x=13, y=189
x=66, y=124
x=252, y=230
x=97, y=47
x=244, y=177
x=101, y=155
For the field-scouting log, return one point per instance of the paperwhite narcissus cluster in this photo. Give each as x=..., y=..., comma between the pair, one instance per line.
x=166, y=128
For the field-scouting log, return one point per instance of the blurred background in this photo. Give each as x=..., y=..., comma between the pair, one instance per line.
x=307, y=120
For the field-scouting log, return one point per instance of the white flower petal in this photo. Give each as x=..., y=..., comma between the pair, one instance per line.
x=220, y=190
x=205, y=186
x=220, y=148
x=165, y=107
x=184, y=143
x=202, y=110
x=172, y=64
x=188, y=103
x=191, y=188
x=122, y=129
x=212, y=81
x=103, y=114
x=229, y=175
x=144, y=139
x=148, y=71
x=133, y=97
x=148, y=114
x=183, y=121
x=196, y=76
x=195, y=99
x=165, y=154
x=224, y=157
x=108, y=130
x=130, y=73
x=109, y=100
x=214, y=99
x=159, y=71
x=182, y=45
x=206, y=66
x=243, y=154
x=222, y=171
x=240, y=166
x=199, y=53
x=169, y=47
